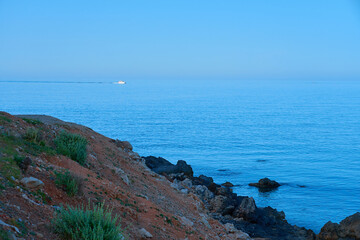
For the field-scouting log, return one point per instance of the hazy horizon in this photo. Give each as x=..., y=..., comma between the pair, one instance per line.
x=180, y=39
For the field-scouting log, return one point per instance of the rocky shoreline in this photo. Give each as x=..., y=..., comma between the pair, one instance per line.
x=153, y=198
x=241, y=212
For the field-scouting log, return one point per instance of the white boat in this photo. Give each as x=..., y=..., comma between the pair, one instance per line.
x=121, y=82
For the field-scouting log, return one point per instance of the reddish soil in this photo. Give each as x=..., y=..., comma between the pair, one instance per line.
x=146, y=201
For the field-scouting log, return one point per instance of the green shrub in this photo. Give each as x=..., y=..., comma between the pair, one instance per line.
x=32, y=135
x=4, y=235
x=67, y=182
x=87, y=224
x=18, y=159
x=4, y=119
x=72, y=145
x=9, y=168
x=32, y=121
x=9, y=143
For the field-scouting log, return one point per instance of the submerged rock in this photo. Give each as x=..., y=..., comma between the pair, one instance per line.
x=265, y=184
x=227, y=184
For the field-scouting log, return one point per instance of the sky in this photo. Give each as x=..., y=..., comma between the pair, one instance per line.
x=180, y=39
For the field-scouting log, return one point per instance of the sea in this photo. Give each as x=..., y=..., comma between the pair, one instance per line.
x=305, y=134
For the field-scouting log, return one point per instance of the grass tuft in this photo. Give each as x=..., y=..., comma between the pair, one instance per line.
x=72, y=145
x=4, y=235
x=87, y=224
x=18, y=159
x=32, y=121
x=9, y=168
x=9, y=143
x=4, y=119
x=68, y=182
x=33, y=135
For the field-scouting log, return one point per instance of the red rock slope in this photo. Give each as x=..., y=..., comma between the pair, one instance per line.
x=149, y=207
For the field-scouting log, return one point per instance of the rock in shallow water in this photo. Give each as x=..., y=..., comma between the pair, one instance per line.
x=227, y=184
x=265, y=184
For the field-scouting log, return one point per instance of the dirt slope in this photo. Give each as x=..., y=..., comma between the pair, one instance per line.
x=113, y=174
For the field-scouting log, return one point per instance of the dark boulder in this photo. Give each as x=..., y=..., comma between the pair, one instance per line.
x=349, y=228
x=223, y=191
x=265, y=184
x=222, y=204
x=204, y=193
x=156, y=162
x=269, y=223
x=329, y=231
x=183, y=167
x=162, y=166
x=24, y=164
x=206, y=181
x=246, y=209
x=203, y=180
x=270, y=216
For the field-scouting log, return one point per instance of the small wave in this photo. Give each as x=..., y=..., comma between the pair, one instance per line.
x=66, y=82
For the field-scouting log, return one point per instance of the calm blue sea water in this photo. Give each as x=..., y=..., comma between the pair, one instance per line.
x=296, y=132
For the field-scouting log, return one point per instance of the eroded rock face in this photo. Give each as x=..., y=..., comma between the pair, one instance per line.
x=230, y=228
x=349, y=228
x=223, y=191
x=246, y=208
x=265, y=184
x=219, y=203
x=203, y=192
x=123, y=144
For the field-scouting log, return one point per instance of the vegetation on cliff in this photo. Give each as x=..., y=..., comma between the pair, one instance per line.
x=87, y=223
x=61, y=180
x=71, y=145
x=46, y=163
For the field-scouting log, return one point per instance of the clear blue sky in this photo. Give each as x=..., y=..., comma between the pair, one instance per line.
x=180, y=38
